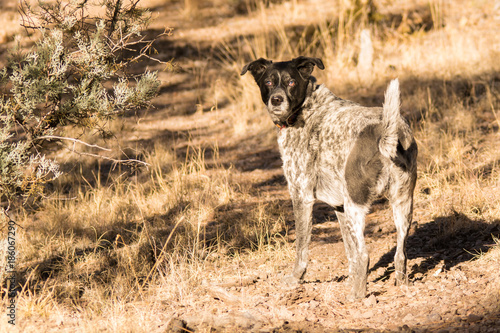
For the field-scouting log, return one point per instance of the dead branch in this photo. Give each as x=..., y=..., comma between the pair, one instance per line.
x=73, y=150
x=49, y=137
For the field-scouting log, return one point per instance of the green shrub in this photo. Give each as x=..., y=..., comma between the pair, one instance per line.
x=77, y=73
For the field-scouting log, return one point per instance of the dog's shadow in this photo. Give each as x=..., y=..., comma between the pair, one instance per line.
x=446, y=242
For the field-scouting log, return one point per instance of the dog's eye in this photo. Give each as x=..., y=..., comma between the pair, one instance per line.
x=269, y=83
x=291, y=83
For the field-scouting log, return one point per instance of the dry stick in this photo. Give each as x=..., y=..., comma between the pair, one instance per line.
x=72, y=149
x=124, y=44
x=223, y=295
x=162, y=253
x=490, y=101
x=48, y=137
x=130, y=160
x=118, y=6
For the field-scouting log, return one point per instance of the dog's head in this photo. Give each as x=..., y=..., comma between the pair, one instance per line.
x=283, y=85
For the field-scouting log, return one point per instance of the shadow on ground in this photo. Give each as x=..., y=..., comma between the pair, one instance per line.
x=447, y=241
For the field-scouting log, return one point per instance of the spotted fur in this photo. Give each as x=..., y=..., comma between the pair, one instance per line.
x=341, y=153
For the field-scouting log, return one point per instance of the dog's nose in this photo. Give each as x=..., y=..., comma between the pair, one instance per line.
x=276, y=100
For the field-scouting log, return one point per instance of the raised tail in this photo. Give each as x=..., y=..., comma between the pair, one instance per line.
x=391, y=117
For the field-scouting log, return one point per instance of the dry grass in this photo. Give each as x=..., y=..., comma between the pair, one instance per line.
x=121, y=249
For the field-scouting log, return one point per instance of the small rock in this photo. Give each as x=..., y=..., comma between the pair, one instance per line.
x=473, y=318
x=438, y=271
x=246, y=320
x=176, y=326
x=434, y=317
x=370, y=301
x=313, y=304
x=355, y=313
x=368, y=314
x=409, y=317
x=405, y=329
x=284, y=314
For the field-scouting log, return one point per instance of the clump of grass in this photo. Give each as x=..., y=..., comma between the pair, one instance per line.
x=457, y=163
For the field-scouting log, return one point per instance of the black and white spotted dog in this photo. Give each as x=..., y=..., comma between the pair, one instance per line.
x=341, y=153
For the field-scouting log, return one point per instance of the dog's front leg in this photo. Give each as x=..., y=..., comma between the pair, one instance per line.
x=302, y=208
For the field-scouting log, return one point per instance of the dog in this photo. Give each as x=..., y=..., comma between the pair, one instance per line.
x=341, y=153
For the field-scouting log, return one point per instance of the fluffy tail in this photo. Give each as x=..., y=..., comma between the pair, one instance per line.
x=390, y=119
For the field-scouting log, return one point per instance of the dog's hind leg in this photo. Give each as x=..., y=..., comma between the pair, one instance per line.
x=401, y=199
x=352, y=226
x=302, y=209
x=402, y=209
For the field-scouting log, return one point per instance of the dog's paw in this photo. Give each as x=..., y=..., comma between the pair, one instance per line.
x=352, y=297
x=401, y=279
x=356, y=294
x=290, y=281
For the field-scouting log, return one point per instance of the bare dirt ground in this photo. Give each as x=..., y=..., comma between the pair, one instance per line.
x=454, y=276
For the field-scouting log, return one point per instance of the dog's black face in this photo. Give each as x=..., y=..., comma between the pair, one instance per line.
x=283, y=85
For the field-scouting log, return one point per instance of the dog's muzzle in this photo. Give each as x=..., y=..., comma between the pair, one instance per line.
x=277, y=100
x=279, y=109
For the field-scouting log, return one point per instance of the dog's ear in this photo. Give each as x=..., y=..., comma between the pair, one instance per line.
x=305, y=65
x=256, y=68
